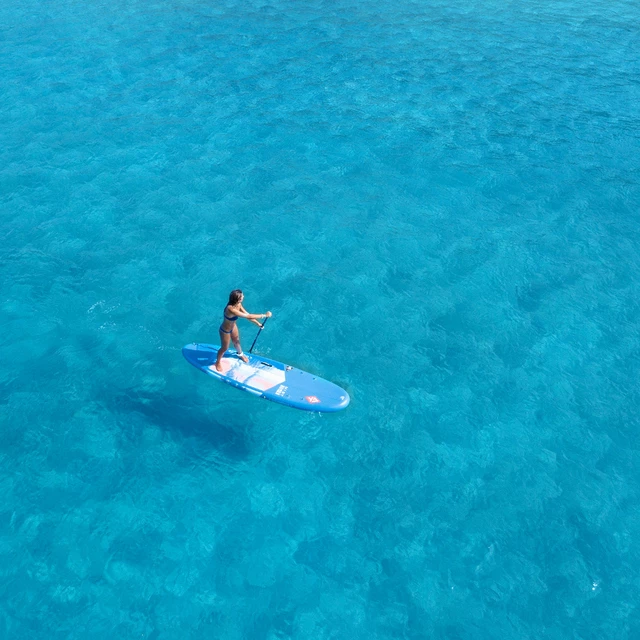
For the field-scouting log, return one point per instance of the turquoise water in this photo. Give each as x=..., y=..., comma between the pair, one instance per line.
x=439, y=202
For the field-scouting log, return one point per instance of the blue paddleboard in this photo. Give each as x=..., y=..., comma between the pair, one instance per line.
x=269, y=379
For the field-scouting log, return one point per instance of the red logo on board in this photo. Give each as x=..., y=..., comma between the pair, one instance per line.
x=312, y=399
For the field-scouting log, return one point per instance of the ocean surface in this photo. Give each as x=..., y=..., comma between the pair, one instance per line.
x=440, y=203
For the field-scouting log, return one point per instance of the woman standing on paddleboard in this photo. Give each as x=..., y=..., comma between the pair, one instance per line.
x=229, y=330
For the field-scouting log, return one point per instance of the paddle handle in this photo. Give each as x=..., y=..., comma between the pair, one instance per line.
x=259, y=332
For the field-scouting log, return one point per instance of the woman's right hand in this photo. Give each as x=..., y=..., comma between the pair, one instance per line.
x=268, y=314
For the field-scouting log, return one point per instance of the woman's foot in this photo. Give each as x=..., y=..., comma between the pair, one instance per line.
x=218, y=367
x=243, y=357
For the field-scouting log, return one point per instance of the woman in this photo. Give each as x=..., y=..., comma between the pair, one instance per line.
x=229, y=330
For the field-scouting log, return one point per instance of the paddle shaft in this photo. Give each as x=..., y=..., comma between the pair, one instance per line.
x=259, y=332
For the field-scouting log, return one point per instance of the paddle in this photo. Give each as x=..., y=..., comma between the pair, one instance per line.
x=259, y=331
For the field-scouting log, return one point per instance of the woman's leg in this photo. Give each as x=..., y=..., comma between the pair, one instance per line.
x=225, y=339
x=235, y=336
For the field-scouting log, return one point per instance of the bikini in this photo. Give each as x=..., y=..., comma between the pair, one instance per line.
x=230, y=319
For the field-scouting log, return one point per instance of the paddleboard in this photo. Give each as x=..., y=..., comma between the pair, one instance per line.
x=269, y=379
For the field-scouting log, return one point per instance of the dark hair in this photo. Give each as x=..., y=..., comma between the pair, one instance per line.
x=234, y=297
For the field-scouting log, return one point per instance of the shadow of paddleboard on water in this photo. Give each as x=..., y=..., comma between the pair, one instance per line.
x=186, y=416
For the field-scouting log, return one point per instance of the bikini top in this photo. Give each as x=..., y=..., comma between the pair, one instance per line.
x=229, y=318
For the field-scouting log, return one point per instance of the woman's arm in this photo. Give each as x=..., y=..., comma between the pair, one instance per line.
x=240, y=311
x=251, y=317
